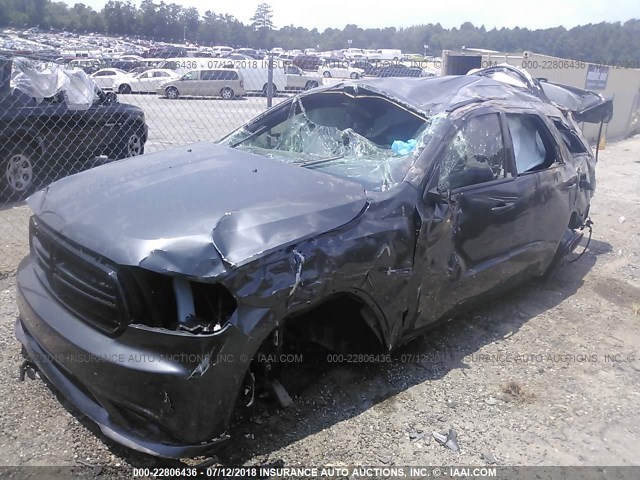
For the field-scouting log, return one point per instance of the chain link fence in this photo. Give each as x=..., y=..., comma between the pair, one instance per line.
x=57, y=120
x=74, y=126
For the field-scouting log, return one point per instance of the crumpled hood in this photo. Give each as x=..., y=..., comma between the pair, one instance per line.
x=196, y=209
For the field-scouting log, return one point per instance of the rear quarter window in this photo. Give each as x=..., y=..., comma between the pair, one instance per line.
x=571, y=139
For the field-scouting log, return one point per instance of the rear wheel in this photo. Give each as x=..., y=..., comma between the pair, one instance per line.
x=326, y=74
x=172, y=93
x=310, y=85
x=265, y=89
x=19, y=167
x=124, y=89
x=354, y=75
x=227, y=94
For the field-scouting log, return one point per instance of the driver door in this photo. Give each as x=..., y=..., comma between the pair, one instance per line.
x=466, y=247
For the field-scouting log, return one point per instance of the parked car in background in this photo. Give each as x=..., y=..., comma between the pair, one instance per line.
x=106, y=78
x=369, y=67
x=389, y=54
x=398, y=70
x=249, y=52
x=146, y=82
x=307, y=62
x=126, y=65
x=225, y=83
x=297, y=79
x=304, y=226
x=166, y=52
x=236, y=56
x=89, y=65
x=340, y=69
x=221, y=51
x=40, y=140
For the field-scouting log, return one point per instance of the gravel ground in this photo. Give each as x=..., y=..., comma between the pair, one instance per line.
x=571, y=400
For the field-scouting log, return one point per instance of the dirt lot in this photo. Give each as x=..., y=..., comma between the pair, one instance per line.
x=546, y=375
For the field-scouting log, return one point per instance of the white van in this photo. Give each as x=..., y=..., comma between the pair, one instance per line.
x=221, y=50
x=256, y=75
x=389, y=54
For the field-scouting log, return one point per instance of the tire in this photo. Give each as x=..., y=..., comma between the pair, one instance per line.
x=310, y=85
x=125, y=89
x=227, y=94
x=19, y=167
x=265, y=90
x=354, y=75
x=172, y=93
x=131, y=145
x=326, y=74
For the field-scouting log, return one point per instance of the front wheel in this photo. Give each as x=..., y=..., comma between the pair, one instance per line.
x=227, y=94
x=326, y=74
x=354, y=75
x=18, y=164
x=131, y=144
x=172, y=93
x=124, y=89
x=310, y=85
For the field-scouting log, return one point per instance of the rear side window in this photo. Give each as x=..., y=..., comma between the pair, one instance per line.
x=571, y=140
x=474, y=155
x=227, y=75
x=533, y=146
x=210, y=75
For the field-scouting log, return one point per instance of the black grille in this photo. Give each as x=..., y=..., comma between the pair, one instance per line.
x=85, y=284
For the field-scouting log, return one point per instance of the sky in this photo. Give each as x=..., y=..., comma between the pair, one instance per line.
x=322, y=14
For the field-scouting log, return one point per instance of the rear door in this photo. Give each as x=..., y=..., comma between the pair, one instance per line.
x=547, y=187
x=144, y=83
x=157, y=80
x=212, y=83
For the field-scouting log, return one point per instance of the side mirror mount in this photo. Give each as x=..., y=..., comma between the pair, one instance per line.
x=435, y=195
x=110, y=97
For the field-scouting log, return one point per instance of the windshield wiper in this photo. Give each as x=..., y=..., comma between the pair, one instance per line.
x=318, y=162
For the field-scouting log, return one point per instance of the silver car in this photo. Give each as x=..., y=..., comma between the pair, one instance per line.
x=226, y=83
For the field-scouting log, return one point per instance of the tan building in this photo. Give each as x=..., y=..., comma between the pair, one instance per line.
x=615, y=81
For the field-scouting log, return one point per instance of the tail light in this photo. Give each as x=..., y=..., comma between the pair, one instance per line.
x=241, y=84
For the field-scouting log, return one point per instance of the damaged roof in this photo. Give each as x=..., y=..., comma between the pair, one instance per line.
x=442, y=94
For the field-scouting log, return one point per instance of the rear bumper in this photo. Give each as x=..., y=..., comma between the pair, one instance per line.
x=163, y=393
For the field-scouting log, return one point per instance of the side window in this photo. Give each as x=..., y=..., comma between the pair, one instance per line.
x=533, y=146
x=145, y=75
x=208, y=75
x=474, y=155
x=571, y=139
x=190, y=75
x=233, y=76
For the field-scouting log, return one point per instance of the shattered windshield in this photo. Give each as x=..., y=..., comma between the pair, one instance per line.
x=367, y=138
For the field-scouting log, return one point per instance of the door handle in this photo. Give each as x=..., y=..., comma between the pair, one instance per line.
x=503, y=207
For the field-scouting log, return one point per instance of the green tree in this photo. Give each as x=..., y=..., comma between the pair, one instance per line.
x=263, y=18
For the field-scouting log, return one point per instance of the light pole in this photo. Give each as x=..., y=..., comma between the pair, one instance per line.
x=184, y=34
x=349, y=43
x=426, y=47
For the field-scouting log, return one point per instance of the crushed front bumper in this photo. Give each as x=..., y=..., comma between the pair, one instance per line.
x=165, y=393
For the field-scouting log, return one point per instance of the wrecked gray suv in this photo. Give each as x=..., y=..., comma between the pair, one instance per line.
x=354, y=216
